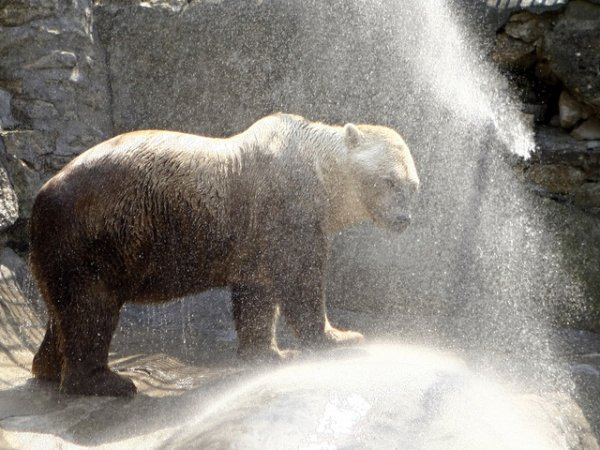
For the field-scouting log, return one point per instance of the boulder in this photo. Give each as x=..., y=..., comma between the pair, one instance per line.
x=568, y=167
x=9, y=208
x=27, y=181
x=18, y=12
x=7, y=120
x=556, y=178
x=29, y=146
x=572, y=49
x=588, y=130
x=511, y=53
x=570, y=110
x=54, y=94
x=587, y=196
x=529, y=27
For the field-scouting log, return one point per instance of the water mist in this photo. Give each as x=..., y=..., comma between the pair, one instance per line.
x=479, y=272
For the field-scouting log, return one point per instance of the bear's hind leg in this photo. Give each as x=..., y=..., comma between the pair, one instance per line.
x=88, y=322
x=47, y=362
x=255, y=315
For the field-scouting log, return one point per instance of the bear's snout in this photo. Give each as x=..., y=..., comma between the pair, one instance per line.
x=401, y=222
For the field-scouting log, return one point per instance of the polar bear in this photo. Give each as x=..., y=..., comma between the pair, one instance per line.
x=150, y=216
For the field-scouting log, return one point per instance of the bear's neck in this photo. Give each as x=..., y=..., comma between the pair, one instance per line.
x=345, y=208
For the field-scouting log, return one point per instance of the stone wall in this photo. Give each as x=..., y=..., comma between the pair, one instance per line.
x=54, y=99
x=553, y=55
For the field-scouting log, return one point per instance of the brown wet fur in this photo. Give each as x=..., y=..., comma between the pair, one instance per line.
x=151, y=216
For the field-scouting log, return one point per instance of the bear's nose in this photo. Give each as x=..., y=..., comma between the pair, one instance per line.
x=402, y=219
x=414, y=186
x=400, y=223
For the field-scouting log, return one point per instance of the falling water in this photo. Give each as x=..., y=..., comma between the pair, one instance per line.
x=479, y=266
x=479, y=272
x=473, y=285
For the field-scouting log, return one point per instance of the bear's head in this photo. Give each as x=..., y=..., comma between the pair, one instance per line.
x=383, y=173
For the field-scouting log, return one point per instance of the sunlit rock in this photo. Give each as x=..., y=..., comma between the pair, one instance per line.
x=570, y=110
x=528, y=27
x=9, y=209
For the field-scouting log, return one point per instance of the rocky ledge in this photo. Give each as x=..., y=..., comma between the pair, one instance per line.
x=565, y=169
x=553, y=55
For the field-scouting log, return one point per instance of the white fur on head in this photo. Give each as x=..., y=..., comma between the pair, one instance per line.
x=352, y=135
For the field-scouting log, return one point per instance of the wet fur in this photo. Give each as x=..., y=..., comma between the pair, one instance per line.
x=154, y=215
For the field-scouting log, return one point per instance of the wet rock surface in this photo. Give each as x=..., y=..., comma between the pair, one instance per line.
x=54, y=97
x=566, y=168
x=572, y=50
x=553, y=54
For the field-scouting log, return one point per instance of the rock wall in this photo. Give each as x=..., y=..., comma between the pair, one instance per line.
x=54, y=99
x=554, y=57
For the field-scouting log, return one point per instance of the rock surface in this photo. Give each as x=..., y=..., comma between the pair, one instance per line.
x=570, y=110
x=572, y=49
x=588, y=130
x=9, y=208
x=555, y=52
x=54, y=95
x=567, y=167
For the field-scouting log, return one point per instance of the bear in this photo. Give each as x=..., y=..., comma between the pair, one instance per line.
x=149, y=216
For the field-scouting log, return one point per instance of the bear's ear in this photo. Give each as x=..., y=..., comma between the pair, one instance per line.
x=352, y=135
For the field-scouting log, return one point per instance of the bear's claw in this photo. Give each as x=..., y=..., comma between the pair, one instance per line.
x=340, y=338
x=102, y=382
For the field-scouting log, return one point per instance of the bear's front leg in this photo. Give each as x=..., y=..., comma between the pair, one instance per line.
x=255, y=314
x=299, y=281
x=304, y=309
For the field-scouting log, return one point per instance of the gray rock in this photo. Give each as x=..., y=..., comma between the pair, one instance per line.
x=529, y=27
x=29, y=146
x=554, y=146
x=556, y=178
x=572, y=49
x=54, y=60
x=9, y=208
x=53, y=83
x=587, y=196
x=15, y=264
x=513, y=53
x=18, y=12
x=27, y=181
x=588, y=130
x=570, y=110
x=7, y=120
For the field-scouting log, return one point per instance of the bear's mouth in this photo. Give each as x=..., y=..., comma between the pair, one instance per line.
x=401, y=222
x=397, y=222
